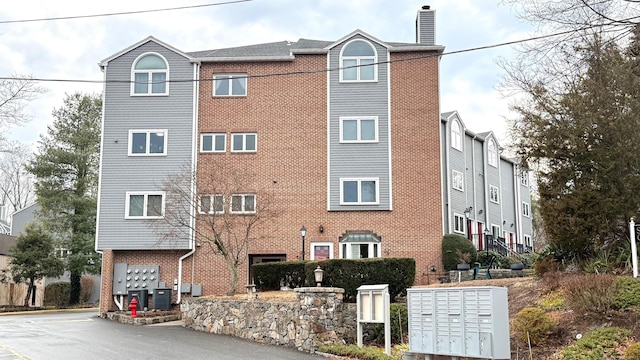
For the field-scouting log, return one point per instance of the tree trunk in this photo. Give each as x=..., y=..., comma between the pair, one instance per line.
x=29, y=289
x=74, y=294
x=233, y=274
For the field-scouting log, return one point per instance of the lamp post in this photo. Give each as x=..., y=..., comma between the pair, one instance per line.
x=318, y=274
x=486, y=241
x=303, y=233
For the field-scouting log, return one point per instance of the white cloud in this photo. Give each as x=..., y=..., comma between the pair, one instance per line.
x=71, y=49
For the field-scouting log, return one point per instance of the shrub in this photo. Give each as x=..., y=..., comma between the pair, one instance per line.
x=551, y=281
x=273, y=275
x=452, y=246
x=551, y=301
x=349, y=274
x=545, y=264
x=57, y=294
x=87, y=284
x=632, y=352
x=353, y=351
x=628, y=294
x=533, y=325
x=591, y=293
x=399, y=319
x=603, y=343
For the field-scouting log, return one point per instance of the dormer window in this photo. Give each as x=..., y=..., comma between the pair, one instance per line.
x=358, y=62
x=149, y=75
x=456, y=135
x=493, y=153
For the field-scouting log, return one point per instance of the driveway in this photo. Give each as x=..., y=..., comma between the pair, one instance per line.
x=83, y=335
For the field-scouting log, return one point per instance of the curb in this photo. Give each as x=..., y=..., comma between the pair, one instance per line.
x=37, y=312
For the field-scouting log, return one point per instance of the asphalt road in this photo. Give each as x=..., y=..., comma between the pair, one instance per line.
x=83, y=335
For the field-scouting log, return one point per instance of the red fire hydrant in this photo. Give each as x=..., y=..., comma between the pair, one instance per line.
x=133, y=306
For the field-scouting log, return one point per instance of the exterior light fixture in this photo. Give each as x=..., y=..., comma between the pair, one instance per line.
x=318, y=273
x=303, y=233
x=467, y=212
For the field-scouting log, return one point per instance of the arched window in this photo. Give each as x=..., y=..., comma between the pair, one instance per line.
x=358, y=62
x=149, y=75
x=456, y=136
x=493, y=153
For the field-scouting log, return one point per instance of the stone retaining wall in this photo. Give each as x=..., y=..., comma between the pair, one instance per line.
x=317, y=317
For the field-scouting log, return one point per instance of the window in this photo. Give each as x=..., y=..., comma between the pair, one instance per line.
x=360, y=245
x=243, y=204
x=359, y=191
x=457, y=180
x=230, y=85
x=527, y=240
x=358, y=129
x=458, y=223
x=213, y=142
x=493, y=194
x=147, y=142
x=149, y=75
x=144, y=205
x=456, y=136
x=321, y=251
x=244, y=142
x=358, y=62
x=493, y=153
x=211, y=204
x=524, y=178
x=526, y=209
x=495, y=231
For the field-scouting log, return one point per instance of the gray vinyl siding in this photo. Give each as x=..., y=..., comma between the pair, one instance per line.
x=509, y=212
x=366, y=160
x=478, y=177
x=426, y=27
x=121, y=173
x=444, y=144
x=492, y=176
x=525, y=196
x=457, y=163
x=21, y=218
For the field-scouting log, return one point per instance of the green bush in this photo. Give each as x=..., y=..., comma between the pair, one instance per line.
x=349, y=274
x=628, y=294
x=603, y=343
x=632, y=352
x=452, y=247
x=353, y=351
x=591, y=293
x=399, y=319
x=57, y=294
x=273, y=275
x=533, y=325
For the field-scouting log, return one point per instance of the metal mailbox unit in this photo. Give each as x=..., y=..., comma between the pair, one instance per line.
x=463, y=321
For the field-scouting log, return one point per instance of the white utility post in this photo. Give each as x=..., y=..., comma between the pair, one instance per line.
x=634, y=249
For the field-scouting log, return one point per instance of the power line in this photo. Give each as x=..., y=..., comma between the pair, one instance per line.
x=314, y=71
x=121, y=13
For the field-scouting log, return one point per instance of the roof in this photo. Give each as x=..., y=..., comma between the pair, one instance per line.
x=6, y=242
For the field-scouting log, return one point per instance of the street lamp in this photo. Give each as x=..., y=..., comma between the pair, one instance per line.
x=486, y=241
x=303, y=233
x=317, y=274
x=467, y=212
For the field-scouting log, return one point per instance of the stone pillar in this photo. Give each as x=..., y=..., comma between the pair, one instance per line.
x=106, y=297
x=320, y=319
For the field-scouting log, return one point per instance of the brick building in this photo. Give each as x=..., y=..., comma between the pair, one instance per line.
x=344, y=136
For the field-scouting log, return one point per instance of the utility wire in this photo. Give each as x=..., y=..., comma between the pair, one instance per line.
x=314, y=71
x=121, y=13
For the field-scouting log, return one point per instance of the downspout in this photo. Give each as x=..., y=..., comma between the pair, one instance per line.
x=194, y=167
x=518, y=200
x=447, y=131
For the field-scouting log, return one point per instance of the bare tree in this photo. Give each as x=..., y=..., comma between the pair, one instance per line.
x=224, y=209
x=16, y=184
x=15, y=93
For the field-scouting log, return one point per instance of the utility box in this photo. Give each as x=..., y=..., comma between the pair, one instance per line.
x=143, y=298
x=465, y=321
x=162, y=299
x=196, y=290
x=120, y=278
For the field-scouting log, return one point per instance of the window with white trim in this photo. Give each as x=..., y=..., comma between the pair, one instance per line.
x=457, y=180
x=360, y=245
x=456, y=135
x=148, y=142
x=144, y=205
x=211, y=204
x=359, y=191
x=230, y=85
x=493, y=153
x=358, y=62
x=244, y=142
x=493, y=194
x=243, y=204
x=495, y=231
x=321, y=250
x=527, y=240
x=524, y=178
x=526, y=209
x=150, y=75
x=458, y=223
x=213, y=142
x=359, y=129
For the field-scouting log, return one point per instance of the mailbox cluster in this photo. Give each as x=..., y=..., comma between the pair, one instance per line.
x=134, y=277
x=465, y=321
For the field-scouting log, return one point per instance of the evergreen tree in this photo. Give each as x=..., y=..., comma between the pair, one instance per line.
x=66, y=173
x=32, y=258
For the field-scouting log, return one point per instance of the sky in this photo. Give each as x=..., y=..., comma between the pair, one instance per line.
x=70, y=49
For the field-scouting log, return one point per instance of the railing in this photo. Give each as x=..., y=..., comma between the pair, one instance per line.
x=500, y=246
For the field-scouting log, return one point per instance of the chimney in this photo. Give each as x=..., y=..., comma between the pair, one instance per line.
x=426, y=26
